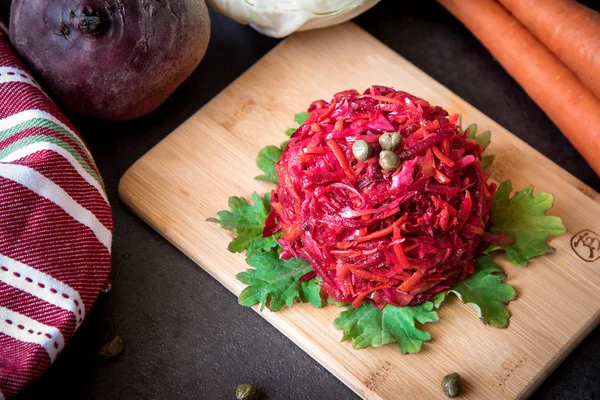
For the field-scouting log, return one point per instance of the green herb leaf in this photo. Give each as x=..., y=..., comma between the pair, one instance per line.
x=268, y=156
x=523, y=218
x=486, y=161
x=486, y=292
x=274, y=282
x=472, y=131
x=369, y=326
x=248, y=222
x=337, y=303
x=300, y=117
x=266, y=160
x=482, y=139
x=438, y=299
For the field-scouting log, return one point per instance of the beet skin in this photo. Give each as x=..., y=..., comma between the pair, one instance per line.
x=111, y=59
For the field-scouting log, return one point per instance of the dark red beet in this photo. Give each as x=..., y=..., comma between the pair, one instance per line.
x=111, y=59
x=388, y=237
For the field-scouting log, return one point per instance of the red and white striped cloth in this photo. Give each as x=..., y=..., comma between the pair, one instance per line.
x=55, y=228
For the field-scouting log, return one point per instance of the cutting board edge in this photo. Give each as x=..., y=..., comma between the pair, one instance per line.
x=561, y=355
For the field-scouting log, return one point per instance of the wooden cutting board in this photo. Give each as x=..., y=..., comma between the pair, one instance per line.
x=189, y=176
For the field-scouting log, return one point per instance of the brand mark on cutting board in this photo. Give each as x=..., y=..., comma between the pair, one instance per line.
x=586, y=244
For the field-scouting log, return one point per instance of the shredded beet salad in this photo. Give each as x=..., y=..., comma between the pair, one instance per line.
x=386, y=236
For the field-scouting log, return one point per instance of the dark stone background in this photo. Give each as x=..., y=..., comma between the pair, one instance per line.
x=185, y=335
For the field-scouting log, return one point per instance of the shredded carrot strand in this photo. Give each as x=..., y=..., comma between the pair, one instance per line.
x=356, y=302
x=341, y=272
x=383, y=232
x=375, y=235
x=345, y=245
x=398, y=251
x=346, y=253
x=410, y=282
x=332, y=144
x=446, y=146
x=369, y=276
x=313, y=150
x=442, y=157
x=329, y=110
x=440, y=176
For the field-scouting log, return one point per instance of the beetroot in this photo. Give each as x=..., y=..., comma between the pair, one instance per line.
x=112, y=59
x=388, y=237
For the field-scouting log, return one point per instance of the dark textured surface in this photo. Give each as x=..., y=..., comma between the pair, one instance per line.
x=185, y=335
x=4, y=11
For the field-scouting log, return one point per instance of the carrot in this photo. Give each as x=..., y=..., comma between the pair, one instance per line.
x=569, y=29
x=549, y=82
x=339, y=154
x=364, y=295
x=410, y=282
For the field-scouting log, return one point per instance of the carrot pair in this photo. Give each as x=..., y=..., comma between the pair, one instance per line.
x=569, y=29
x=563, y=78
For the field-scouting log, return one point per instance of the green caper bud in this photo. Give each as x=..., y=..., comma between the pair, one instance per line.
x=388, y=160
x=111, y=349
x=452, y=384
x=246, y=391
x=390, y=140
x=361, y=150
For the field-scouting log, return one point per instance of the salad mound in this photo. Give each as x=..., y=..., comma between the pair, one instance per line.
x=388, y=228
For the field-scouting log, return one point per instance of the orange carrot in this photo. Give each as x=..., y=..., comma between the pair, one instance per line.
x=549, y=82
x=410, y=282
x=339, y=154
x=364, y=295
x=569, y=29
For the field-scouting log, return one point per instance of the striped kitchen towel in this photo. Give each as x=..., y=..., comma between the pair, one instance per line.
x=55, y=228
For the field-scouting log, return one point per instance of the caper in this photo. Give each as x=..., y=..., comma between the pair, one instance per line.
x=111, y=349
x=452, y=384
x=107, y=288
x=388, y=160
x=246, y=391
x=390, y=140
x=361, y=150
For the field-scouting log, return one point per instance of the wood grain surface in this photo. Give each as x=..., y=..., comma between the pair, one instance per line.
x=189, y=176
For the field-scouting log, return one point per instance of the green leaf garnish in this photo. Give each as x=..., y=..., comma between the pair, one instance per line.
x=274, y=282
x=266, y=160
x=483, y=139
x=523, y=218
x=300, y=117
x=268, y=156
x=248, y=221
x=438, y=299
x=486, y=161
x=486, y=292
x=369, y=326
x=337, y=303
